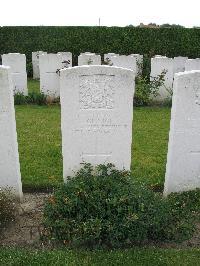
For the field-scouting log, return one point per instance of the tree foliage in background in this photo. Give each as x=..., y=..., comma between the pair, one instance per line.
x=150, y=41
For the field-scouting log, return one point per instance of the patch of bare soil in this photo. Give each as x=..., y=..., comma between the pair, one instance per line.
x=26, y=230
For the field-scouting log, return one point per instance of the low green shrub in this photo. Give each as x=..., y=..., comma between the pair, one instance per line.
x=20, y=98
x=146, y=90
x=7, y=208
x=31, y=98
x=103, y=206
x=36, y=98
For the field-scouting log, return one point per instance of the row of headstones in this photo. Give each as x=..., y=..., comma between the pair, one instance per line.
x=169, y=67
x=47, y=66
x=96, y=124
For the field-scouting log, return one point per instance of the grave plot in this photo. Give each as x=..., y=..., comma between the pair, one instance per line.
x=96, y=116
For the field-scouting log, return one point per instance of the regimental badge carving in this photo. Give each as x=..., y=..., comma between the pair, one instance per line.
x=97, y=92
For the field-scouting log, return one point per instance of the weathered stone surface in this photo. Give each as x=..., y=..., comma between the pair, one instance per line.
x=17, y=63
x=109, y=56
x=125, y=61
x=50, y=64
x=96, y=116
x=68, y=57
x=179, y=64
x=89, y=59
x=192, y=64
x=183, y=159
x=9, y=158
x=35, y=63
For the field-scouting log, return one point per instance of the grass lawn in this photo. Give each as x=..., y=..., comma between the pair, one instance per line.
x=39, y=138
x=151, y=256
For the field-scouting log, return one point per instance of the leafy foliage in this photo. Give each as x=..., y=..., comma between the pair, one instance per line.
x=31, y=98
x=150, y=41
x=103, y=206
x=146, y=89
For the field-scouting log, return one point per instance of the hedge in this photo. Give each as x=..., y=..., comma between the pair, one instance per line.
x=126, y=40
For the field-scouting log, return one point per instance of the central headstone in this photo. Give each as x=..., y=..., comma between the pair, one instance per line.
x=96, y=115
x=183, y=160
x=10, y=176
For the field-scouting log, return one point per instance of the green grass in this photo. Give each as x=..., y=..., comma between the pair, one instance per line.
x=33, y=85
x=143, y=257
x=39, y=138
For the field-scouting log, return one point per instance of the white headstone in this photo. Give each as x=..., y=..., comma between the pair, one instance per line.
x=17, y=63
x=125, y=61
x=89, y=59
x=183, y=159
x=109, y=56
x=10, y=176
x=87, y=53
x=35, y=63
x=68, y=57
x=96, y=116
x=139, y=61
x=50, y=64
x=158, y=65
x=192, y=64
x=179, y=64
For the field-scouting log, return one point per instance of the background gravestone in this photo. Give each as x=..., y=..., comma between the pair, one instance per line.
x=35, y=63
x=68, y=57
x=192, y=64
x=89, y=59
x=159, y=64
x=179, y=64
x=17, y=63
x=125, y=61
x=183, y=159
x=109, y=56
x=49, y=73
x=96, y=116
x=9, y=159
x=139, y=63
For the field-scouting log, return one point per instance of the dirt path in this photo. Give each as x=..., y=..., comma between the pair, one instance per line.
x=27, y=229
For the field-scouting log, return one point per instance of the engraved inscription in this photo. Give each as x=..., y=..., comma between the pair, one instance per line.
x=98, y=123
x=96, y=158
x=96, y=92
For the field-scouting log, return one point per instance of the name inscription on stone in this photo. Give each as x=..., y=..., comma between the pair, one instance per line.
x=97, y=123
